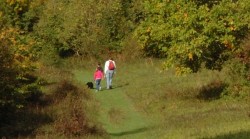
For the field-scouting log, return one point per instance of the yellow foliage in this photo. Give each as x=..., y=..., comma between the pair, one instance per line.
x=23, y=1
x=185, y=15
x=160, y=5
x=190, y=56
x=19, y=48
x=149, y=29
x=232, y=28
x=228, y=44
x=2, y=36
x=11, y=2
x=24, y=66
x=182, y=70
x=34, y=4
x=178, y=6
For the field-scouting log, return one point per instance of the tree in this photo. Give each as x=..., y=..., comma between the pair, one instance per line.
x=89, y=27
x=192, y=34
x=16, y=56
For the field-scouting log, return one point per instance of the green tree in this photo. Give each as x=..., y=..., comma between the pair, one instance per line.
x=89, y=27
x=192, y=34
x=17, y=57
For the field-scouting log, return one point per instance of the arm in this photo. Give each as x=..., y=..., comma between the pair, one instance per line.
x=94, y=76
x=115, y=67
x=103, y=75
x=106, y=67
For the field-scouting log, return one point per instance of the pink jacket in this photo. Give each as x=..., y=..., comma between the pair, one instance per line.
x=98, y=75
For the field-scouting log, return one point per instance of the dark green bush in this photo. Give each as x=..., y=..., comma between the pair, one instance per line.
x=237, y=73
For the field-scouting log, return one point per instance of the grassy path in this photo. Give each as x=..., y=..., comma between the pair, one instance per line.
x=118, y=115
x=169, y=115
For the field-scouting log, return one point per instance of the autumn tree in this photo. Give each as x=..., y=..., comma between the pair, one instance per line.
x=16, y=57
x=89, y=27
x=193, y=33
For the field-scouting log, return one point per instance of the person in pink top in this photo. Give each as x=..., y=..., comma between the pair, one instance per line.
x=98, y=76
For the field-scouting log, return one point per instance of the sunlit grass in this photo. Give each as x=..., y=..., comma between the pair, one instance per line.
x=173, y=102
x=149, y=103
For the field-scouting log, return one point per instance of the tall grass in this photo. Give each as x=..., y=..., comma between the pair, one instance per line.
x=191, y=106
x=64, y=109
x=76, y=113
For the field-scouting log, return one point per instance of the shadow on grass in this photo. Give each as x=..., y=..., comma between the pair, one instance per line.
x=135, y=131
x=239, y=135
x=22, y=123
x=25, y=121
x=121, y=85
x=211, y=91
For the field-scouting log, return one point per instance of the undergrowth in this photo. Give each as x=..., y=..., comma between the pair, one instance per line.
x=193, y=104
x=62, y=109
x=74, y=115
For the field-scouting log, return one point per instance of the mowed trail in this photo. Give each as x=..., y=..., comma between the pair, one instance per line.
x=118, y=114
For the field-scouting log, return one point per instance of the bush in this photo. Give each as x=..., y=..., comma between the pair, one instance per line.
x=76, y=113
x=237, y=73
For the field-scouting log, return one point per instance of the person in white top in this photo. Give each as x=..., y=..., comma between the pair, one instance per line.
x=109, y=70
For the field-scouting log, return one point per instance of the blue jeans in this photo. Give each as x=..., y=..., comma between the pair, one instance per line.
x=98, y=84
x=109, y=76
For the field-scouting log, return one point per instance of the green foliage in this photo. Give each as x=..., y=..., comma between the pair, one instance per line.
x=87, y=27
x=18, y=87
x=237, y=72
x=190, y=34
x=7, y=75
x=16, y=65
x=22, y=14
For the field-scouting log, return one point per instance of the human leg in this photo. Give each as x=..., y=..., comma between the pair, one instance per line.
x=98, y=81
x=109, y=77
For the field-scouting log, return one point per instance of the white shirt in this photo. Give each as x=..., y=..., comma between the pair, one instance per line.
x=106, y=67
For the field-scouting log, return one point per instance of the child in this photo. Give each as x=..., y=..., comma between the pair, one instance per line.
x=98, y=76
x=99, y=65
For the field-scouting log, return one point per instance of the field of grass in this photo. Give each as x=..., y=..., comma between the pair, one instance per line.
x=151, y=104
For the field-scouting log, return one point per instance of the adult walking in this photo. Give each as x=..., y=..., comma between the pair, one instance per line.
x=109, y=69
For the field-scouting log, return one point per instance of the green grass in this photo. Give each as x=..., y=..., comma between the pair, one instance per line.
x=150, y=104
x=118, y=114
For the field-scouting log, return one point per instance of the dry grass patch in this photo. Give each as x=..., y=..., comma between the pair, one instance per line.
x=116, y=115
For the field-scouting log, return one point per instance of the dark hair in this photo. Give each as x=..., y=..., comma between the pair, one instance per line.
x=99, y=68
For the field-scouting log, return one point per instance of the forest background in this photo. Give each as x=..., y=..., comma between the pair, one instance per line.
x=188, y=36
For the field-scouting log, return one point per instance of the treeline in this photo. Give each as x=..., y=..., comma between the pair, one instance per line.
x=190, y=35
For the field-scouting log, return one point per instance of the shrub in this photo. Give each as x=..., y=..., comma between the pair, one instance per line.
x=236, y=76
x=73, y=115
x=237, y=73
